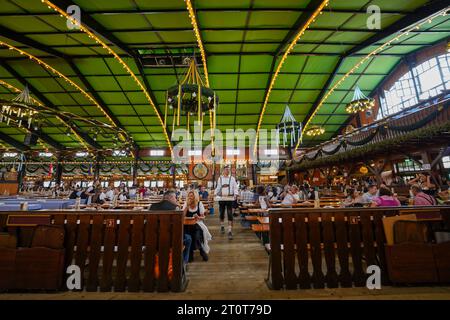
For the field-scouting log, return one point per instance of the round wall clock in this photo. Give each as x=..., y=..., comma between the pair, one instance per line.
x=200, y=171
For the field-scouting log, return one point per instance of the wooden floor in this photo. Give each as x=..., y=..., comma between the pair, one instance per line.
x=236, y=270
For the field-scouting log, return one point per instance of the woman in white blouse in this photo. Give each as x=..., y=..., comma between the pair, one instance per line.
x=193, y=208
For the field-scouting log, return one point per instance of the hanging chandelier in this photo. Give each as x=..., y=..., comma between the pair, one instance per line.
x=21, y=112
x=360, y=102
x=315, y=131
x=289, y=128
x=191, y=100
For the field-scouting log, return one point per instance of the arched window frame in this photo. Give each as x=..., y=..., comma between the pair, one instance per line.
x=422, y=82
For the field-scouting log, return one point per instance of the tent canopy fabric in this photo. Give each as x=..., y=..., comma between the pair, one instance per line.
x=243, y=40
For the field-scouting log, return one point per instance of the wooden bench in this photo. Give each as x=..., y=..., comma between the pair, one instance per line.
x=121, y=248
x=329, y=239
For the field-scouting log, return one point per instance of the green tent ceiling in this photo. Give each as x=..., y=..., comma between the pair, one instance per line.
x=243, y=40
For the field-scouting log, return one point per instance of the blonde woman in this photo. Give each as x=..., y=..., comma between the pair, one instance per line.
x=193, y=208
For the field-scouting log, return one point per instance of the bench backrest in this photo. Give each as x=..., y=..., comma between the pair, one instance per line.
x=129, y=241
x=300, y=238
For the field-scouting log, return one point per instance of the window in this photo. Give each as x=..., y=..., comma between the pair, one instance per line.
x=147, y=184
x=401, y=95
x=153, y=184
x=156, y=153
x=116, y=184
x=423, y=82
x=446, y=162
x=10, y=154
x=271, y=152
x=130, y=183
x=45, y=154
x=409, y=165
x=119, y=153
x=194, y=152
x=179, y=183
x=81, y=154
x=160, y=184
x=104, y=184
x=429, y=78
x=233, y=152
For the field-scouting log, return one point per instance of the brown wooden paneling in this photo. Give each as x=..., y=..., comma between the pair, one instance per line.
x=109, y=241
x=122, y=253
x=318, y=279
x=151, y=239
x=289, y=252
x=275, y=252
x=331, y=277
x=301, y=236
x=94, y=252
x=137, y=237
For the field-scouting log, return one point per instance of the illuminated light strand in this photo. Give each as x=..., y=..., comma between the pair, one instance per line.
x=17, y=90
x=59, y=74
x=373, y=53
x=291, y=46
x=117, y=57
x=212, y=114
x=198, y=37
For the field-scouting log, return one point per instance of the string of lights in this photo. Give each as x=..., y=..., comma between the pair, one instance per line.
x=212, y=113
x=105, y=46
x=371, y=54
x=291, y=46
x=59, y=74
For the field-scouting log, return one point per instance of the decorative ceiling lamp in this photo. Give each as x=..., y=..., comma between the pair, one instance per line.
x=15, y=112
x=315, y=131
x=360, y=102
x=289, y=128
x=191, y=99
x=21, y=112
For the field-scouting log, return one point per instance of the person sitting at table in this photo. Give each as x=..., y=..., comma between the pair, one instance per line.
x=354, y=199
x=385, y=199
x=421, y=198
x=263, y=199
x=168, y=203
x=193, y=208
x=122, y=196
x=372, y=192
x=203, y=193
x=75, y=193
x=424, y=182
x=291, y=196
x=246, y=195
x=311, y=193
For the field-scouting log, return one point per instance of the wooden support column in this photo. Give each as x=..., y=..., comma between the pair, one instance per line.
x=21, y=172
x=174, y=173
x=59, y=171
x=135, y=166
x=97, y=167
x=254, y=177
x=427, y=166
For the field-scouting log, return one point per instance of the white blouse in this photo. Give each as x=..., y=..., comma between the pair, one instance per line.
x=201, y=208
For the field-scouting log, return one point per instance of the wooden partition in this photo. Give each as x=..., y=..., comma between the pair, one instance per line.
x=119, y=250
x=321, y=248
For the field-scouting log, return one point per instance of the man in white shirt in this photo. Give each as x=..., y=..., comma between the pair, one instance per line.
x=226, y=187
x=110, y=194
x=372, y=192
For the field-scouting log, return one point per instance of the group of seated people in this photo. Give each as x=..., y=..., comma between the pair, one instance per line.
x=96, y=194
x=422, y=193
x=196, y=235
